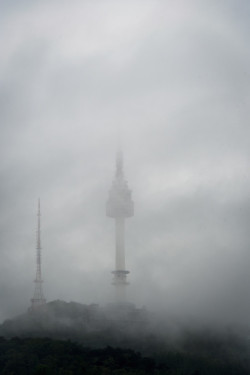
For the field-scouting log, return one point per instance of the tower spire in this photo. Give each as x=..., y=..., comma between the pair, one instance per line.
x=119, y=165
x=38, y=297
x=120, y=206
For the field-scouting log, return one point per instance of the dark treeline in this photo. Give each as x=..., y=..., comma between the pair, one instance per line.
x=70, y=338
x=44, y=356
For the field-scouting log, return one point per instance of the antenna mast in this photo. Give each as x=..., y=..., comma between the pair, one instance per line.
x=38, y=298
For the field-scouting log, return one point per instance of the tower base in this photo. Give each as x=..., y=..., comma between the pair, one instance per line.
x=120, y=283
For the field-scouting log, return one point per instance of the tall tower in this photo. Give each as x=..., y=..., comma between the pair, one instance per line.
x=120, y=206
x=38, y=298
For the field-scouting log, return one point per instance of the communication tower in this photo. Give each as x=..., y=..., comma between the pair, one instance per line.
x=120, y=206
x=38, y=298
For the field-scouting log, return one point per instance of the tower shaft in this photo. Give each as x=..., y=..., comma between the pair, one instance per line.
x=119, y=243
x=38, y=297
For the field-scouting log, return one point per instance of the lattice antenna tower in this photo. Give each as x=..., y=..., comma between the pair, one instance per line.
x=120, y=206
x=38, y=297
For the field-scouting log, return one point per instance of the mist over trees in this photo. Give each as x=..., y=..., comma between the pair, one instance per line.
x=108, y=341
x=171, y=80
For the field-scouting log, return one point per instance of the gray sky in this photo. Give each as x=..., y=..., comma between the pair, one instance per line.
x=173, y=78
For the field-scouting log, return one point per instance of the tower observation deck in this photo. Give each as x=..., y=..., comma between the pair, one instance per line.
x=120, y=206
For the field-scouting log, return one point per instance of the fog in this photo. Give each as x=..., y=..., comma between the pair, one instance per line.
x=172, y=78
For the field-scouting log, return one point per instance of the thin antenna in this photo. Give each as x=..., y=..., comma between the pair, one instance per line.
x=118, y=139
x=38, y=298
x=119, y=165
x=119, y=154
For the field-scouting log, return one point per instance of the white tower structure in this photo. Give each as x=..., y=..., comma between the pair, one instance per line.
x=120, y=206
x=38, y=298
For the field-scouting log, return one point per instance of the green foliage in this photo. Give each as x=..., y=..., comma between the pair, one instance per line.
x=193, y=351
x=44, y=356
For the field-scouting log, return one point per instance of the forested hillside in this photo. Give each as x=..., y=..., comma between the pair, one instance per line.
x=46, y=356
x=71, y=338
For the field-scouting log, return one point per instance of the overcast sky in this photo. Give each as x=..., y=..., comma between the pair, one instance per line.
x=172, y=77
